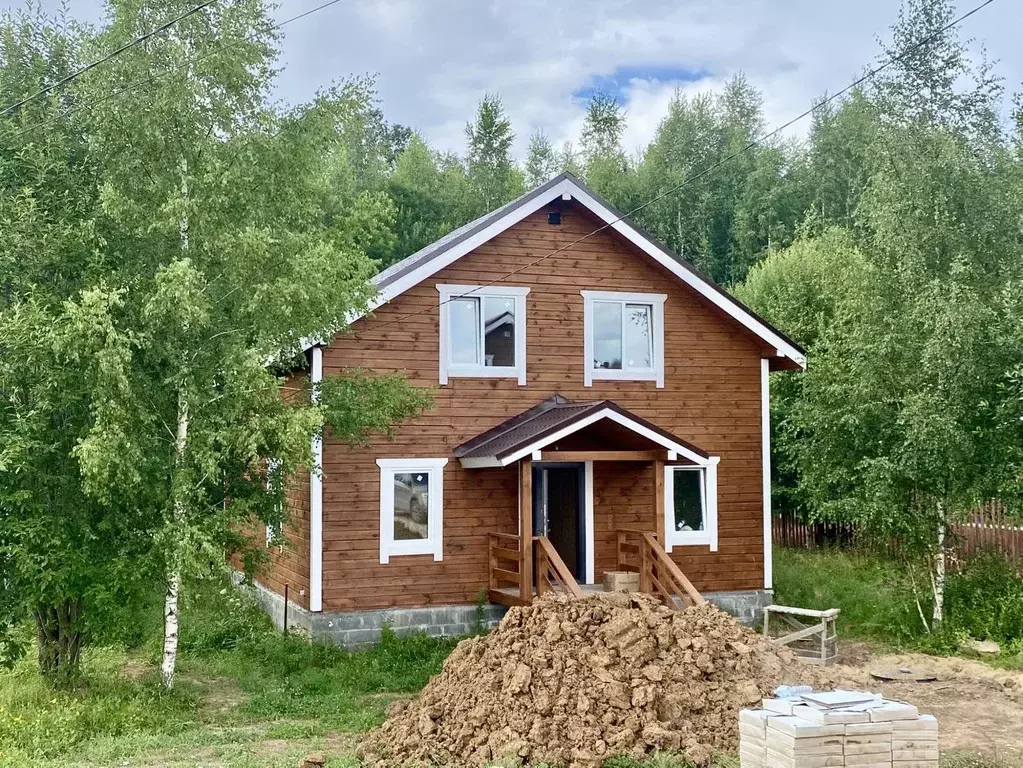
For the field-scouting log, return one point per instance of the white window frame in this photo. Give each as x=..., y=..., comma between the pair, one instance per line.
x=272, y=532
x=434, y=545
x=708, y=537
x=656, y=303
x=481, y=370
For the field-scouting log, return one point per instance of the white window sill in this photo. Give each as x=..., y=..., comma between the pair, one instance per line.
x=687, y=539
x=486, y=372
x=613, y=374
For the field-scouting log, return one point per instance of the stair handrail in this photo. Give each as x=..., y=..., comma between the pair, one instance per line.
x=549, y=562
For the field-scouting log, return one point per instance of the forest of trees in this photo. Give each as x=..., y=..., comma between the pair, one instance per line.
x=167, y=231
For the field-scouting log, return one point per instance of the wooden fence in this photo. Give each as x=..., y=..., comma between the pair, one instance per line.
x=989, y=528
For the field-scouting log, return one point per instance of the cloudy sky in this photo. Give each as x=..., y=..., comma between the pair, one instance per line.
x=434, y=59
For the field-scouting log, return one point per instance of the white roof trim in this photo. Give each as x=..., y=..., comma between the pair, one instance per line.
x=568, y=188
x=603, y=413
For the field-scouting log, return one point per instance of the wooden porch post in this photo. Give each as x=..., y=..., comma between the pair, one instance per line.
x=526, y=529
x=659, y=502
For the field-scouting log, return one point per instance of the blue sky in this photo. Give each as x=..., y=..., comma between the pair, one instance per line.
x=435, y=59
x=617, y=83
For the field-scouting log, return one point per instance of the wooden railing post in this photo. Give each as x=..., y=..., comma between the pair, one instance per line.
x=542, y=566
x=491, y=576
x=659, y=502
x=526, y=529
x=620, y=554
x=645, y=580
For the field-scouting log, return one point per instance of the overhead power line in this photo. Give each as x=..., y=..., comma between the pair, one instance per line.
x=690, y=179
x=164, y=73
x=113, y=54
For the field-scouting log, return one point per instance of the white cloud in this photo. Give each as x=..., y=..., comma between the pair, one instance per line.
x=435, y=60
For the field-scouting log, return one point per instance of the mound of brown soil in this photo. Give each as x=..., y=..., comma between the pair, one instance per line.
x=572, y=682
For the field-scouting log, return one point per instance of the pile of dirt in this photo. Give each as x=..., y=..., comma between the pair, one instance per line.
x=572, y=682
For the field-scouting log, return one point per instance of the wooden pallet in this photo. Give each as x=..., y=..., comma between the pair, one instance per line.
x=815, y=642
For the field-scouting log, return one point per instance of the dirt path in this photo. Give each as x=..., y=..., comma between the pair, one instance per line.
x=979, y=709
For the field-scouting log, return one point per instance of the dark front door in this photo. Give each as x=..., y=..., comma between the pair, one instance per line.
x=558, y=511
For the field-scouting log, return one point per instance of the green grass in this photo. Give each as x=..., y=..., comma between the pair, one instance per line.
x=245, y=694
x=874, y=594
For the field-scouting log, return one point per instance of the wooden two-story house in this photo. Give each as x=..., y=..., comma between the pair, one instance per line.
x=599, y=405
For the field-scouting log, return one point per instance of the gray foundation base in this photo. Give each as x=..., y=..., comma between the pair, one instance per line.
x=746, y=606
x=358, y=629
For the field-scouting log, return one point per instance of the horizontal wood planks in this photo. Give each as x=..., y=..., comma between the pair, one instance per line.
x=291, y=566
x=711, y=398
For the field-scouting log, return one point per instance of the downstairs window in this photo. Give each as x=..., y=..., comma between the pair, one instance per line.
x=411, y=507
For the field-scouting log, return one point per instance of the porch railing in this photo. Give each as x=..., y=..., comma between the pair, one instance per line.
x=505, y=558
x=552, y=575
x=640, y=552
x=506, y=583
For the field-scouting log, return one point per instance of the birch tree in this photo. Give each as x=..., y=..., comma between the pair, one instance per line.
x=227, y=244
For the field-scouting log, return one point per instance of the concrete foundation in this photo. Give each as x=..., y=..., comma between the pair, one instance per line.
x=358, y=629
x=747, y=606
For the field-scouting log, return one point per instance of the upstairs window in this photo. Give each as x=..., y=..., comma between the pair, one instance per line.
x=623, y=336
x=482, y=332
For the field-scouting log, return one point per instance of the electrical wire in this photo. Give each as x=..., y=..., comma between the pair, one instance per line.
x=88, y=67
x=690, y=179
x=164, y=73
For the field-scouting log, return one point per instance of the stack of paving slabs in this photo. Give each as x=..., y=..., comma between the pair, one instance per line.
x=915, y=743
x=835, y=730
x=753, y=737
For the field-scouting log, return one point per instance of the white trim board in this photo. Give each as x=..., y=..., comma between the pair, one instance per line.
x=316, y=495
x=434, y=544
x=656, y=303
x=570, y=188
x=765, y=450
x=603, y=413
x=481, y=371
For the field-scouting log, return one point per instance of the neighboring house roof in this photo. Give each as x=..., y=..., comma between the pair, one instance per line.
x=422, y=264
x=554, y=419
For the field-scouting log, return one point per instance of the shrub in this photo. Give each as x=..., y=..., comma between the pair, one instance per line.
x=985, y=600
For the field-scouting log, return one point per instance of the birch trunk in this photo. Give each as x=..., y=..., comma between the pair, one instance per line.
x=938, y=574
x=170, y=604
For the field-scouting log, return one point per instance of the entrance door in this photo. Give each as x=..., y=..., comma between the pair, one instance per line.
x=558, y=512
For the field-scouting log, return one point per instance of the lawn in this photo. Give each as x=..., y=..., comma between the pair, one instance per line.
x=245, y=696
x=248, y=696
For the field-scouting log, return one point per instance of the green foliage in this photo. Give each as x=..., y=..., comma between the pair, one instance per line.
x=241, y=680
x=874, y=593
x=541, y=160
x=492, y=177
x=357, y=403
x=985, y=600
x=878, y=595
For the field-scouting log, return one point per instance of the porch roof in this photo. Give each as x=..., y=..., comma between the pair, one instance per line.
x=556, y=418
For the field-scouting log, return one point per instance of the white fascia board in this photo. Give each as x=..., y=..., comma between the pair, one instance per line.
x=457, y=251
x=649, y=434
x=694, y=281
x=607, y=413
x=567, y=189
x=480, y=463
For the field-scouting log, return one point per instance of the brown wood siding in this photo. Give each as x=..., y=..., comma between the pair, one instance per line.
x=711, y=398
x=291, y=566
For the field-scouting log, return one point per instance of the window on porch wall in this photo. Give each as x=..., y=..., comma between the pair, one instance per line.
x=690, y=506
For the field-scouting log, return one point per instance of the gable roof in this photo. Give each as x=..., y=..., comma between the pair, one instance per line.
x=554, y=419
x=424, y=263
